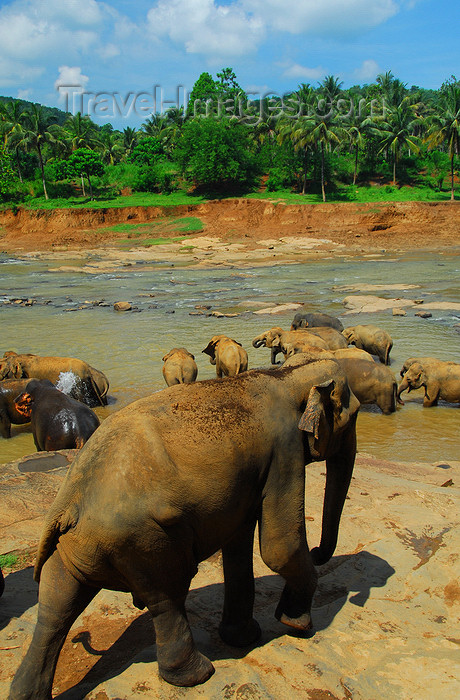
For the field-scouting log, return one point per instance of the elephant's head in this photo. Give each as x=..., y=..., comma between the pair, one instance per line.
x=211, y=347
x=414, y=378
x=10, y=368
x=266, y=339
x=330, y=408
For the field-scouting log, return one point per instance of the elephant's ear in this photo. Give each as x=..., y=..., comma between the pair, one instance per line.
x=276, y=342
x=210, y=349
x=311, y=417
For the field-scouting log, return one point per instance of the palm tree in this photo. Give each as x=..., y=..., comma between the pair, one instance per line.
x=396, y=131
x=129, y=139
x=331, y=87
x=80, y=131
x=356, y=129
x=37, y=132
x=10, y=116
x=110, y=145
x=445, y=127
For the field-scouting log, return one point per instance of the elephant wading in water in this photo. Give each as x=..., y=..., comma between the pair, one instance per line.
x=9, y=390
x=441, y=380
x=371, y=383
x=277, y=340
x=179, y=367
x=58, y=422
x=198, y=465
x=372, y=339
x=90, y=385
x=228, y=355
x=311, y=320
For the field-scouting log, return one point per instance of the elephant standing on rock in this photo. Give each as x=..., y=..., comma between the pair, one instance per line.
x=311, y=320
x=198, y=466
x=228, y=355
x=441, y=380
x=9, y=390
x=58, y=421
x=372, y=339
x=179, y=367
x=89, y=385
x=276, y=339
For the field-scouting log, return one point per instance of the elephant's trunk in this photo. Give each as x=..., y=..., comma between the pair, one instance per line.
x=402, y=387
x=258, y=342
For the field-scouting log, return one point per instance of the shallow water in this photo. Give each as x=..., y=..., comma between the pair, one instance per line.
x=128, y=347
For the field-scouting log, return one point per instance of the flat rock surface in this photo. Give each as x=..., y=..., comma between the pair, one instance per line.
x=385, y=611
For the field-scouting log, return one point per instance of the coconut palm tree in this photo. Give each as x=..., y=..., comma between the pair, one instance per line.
x=11, y=127
x=444, y=127
x=80, y=131
x=129, y=139
x=38, y=131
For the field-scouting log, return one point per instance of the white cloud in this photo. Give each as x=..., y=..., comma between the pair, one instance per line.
x=108, y=51
x=203, y=27
x=295, y=70
x=367, y=71
x=70, y=81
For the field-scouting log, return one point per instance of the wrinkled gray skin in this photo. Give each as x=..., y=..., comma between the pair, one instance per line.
x=172, y=478
x=371, y=338
x=179, y=367
x=9, y=389
x=441, y=380
x=371, y=383
x=278, y=341
x=310, y=320
x=58, y=422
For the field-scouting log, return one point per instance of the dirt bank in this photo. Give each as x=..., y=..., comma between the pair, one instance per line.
x=393, y=226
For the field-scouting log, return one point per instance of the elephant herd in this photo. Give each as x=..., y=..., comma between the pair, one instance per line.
x=172, y=478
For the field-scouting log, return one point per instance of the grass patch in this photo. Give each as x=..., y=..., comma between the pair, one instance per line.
x=185, y=224
x=383, y=193
x=137, y=199
x=7, y=561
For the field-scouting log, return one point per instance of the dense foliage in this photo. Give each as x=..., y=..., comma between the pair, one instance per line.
x=321, y=141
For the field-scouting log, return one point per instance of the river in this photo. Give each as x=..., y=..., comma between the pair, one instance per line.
x=128, y=347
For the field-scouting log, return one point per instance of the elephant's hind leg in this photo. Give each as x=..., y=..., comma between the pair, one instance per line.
x=61, y=600
x=238, y=627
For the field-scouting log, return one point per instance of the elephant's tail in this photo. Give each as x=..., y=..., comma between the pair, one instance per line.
x=387, y=353
x=60, y=518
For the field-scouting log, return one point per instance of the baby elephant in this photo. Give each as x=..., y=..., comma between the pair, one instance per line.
x=58, y=422
x=179, y=367
x=9, y=389
x=371, y=383
x=312, y=320
x=228, y=355
x=441, y=380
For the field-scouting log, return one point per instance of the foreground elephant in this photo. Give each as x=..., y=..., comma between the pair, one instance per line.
x=58, y=422
x=228, y=355
x=441, y=380
x=197, y=466
x=179, y=367
x=371, y=383
x=9, y=390
x=2, y=582
x=310, y=320
x=85, y=379
x=276, y=339
x=352, y=352
x=372, y=339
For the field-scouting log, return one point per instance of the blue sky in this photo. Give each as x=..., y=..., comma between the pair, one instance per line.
x=127, y=47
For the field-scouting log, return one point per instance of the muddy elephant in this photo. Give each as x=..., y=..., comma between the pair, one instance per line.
x=371, y=383
x=371, y=338
x=425, y=361
x=179, y=367
x=9, y=390
x=229, y=357
x=310, y=320
x=199, y=465
x=333, y=339
x=85, y=383
x=58, y=422
x=2, y=582
x=276, y=339
x=290, y=349
x=441, y=380
x=352, y=352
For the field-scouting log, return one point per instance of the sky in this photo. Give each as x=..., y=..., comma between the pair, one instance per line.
x=127, y=58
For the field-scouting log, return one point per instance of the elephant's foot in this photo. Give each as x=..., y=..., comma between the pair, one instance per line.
x=319, y=556
x=240, y=635
x=291, y=611
x=197, y=670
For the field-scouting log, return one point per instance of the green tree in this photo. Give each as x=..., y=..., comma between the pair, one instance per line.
x=396, y=131
x=85, y=162
x=7, y=175
x=11, y=126
x=445, y=126
x=216, y=153
x=130, y=137
x=204, y=89
x=39, y=129
x=80, y=131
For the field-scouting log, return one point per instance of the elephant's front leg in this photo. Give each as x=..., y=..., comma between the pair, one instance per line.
x=238, y=627
x=283, y=543
x=61, y=600
x=432, y=390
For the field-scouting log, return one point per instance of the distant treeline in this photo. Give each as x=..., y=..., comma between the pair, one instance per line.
x=313, y=140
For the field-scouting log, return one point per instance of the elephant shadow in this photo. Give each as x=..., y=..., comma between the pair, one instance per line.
x=21, y=593
x=356, y=573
